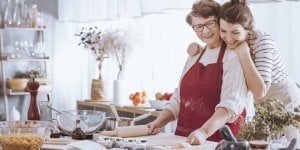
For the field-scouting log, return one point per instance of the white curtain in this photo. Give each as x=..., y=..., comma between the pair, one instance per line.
x=156, y=63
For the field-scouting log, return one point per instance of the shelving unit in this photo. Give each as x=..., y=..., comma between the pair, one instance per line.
x=5, y=59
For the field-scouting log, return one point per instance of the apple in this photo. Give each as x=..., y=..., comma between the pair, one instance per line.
x=166, y=95
x=169, y=96
x=159, y=96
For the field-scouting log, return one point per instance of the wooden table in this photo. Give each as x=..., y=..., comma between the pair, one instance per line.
x=126, y=109
x=161, y=141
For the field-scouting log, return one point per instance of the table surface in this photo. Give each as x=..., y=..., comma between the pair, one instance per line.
x=160, y=141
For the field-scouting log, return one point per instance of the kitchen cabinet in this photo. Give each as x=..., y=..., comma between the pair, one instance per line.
x=25, y=49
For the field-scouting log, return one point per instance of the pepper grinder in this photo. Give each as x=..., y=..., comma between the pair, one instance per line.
x=33, y=110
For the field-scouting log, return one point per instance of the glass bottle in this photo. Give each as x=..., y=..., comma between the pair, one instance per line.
x=33, y=16
x=8, y=16
x=78, y=132
x=40, y=19
x=33, y=110
x=17, y=20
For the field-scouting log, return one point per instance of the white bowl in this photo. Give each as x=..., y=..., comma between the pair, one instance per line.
x=158, y=104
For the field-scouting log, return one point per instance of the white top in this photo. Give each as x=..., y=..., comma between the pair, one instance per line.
x=268, y=61
x=234, y=93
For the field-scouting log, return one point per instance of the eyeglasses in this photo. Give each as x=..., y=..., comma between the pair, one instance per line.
x=209, y=24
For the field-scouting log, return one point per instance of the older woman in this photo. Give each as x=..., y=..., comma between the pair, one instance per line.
x=212, y=90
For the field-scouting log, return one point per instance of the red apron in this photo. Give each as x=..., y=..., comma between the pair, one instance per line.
x=200, y=91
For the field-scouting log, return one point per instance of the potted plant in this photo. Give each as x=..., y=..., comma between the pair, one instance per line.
x=115, y=43
x=271, y=117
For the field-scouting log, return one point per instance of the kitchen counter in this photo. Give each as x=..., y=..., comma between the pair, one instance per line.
x=104, y=105
x=161, y=141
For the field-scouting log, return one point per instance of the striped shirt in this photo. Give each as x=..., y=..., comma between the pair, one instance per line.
x=267, y=58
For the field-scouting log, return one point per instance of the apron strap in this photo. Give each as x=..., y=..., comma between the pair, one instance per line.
x=201, y=54
x=222, y=52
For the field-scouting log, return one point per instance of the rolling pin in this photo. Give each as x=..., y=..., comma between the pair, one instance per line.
x=128, y=131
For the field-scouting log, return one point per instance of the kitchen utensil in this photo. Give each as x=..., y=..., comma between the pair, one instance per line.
x=114, y=111
x=128, y=131
x=21, y=135
x=111, y=122
x=291, y=146
x=90, y=120
x=141, y=117
x=60, y=112
x=227, y=134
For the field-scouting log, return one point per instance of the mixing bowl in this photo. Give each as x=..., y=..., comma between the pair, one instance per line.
x=23, y=135
x=90, y=120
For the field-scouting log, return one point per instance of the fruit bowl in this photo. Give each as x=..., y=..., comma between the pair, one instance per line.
x=90, y=120
x=158, y=104
x=23, y=135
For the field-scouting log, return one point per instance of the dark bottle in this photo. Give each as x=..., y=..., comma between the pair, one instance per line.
x=78, y=132
x=33, y=110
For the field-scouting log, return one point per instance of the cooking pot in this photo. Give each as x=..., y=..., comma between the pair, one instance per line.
x=111, y=122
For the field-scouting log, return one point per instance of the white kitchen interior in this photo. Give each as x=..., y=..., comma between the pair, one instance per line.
x=157, y=60
x=159, y=52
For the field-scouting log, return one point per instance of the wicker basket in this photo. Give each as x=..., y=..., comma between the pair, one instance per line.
x=17, y=84
x=20, y=84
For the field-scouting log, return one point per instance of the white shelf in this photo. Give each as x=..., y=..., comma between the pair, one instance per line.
x=6, y=58
x=6, y=92
x=24, y=29
x=20, y=93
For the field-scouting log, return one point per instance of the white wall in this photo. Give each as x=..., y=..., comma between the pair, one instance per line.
x=157, y=63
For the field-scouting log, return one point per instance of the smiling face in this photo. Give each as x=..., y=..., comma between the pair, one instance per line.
x=211, y=30
x=232, y=34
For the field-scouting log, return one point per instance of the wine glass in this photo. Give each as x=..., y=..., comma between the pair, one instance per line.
x=17, y=49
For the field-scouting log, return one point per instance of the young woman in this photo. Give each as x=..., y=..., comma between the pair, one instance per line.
x=212, y=90
x=266, y=75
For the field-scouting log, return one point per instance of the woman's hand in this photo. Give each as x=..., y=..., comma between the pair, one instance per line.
x=197, y=137
x=154, y=127
x=242, y=48
x=194, y=49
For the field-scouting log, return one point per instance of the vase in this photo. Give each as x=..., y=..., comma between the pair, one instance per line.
x=120, y=92
x=97, y=91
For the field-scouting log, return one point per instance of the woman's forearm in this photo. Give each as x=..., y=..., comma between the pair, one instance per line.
x=216, y=121
x=254, y=80
x=165, y=117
